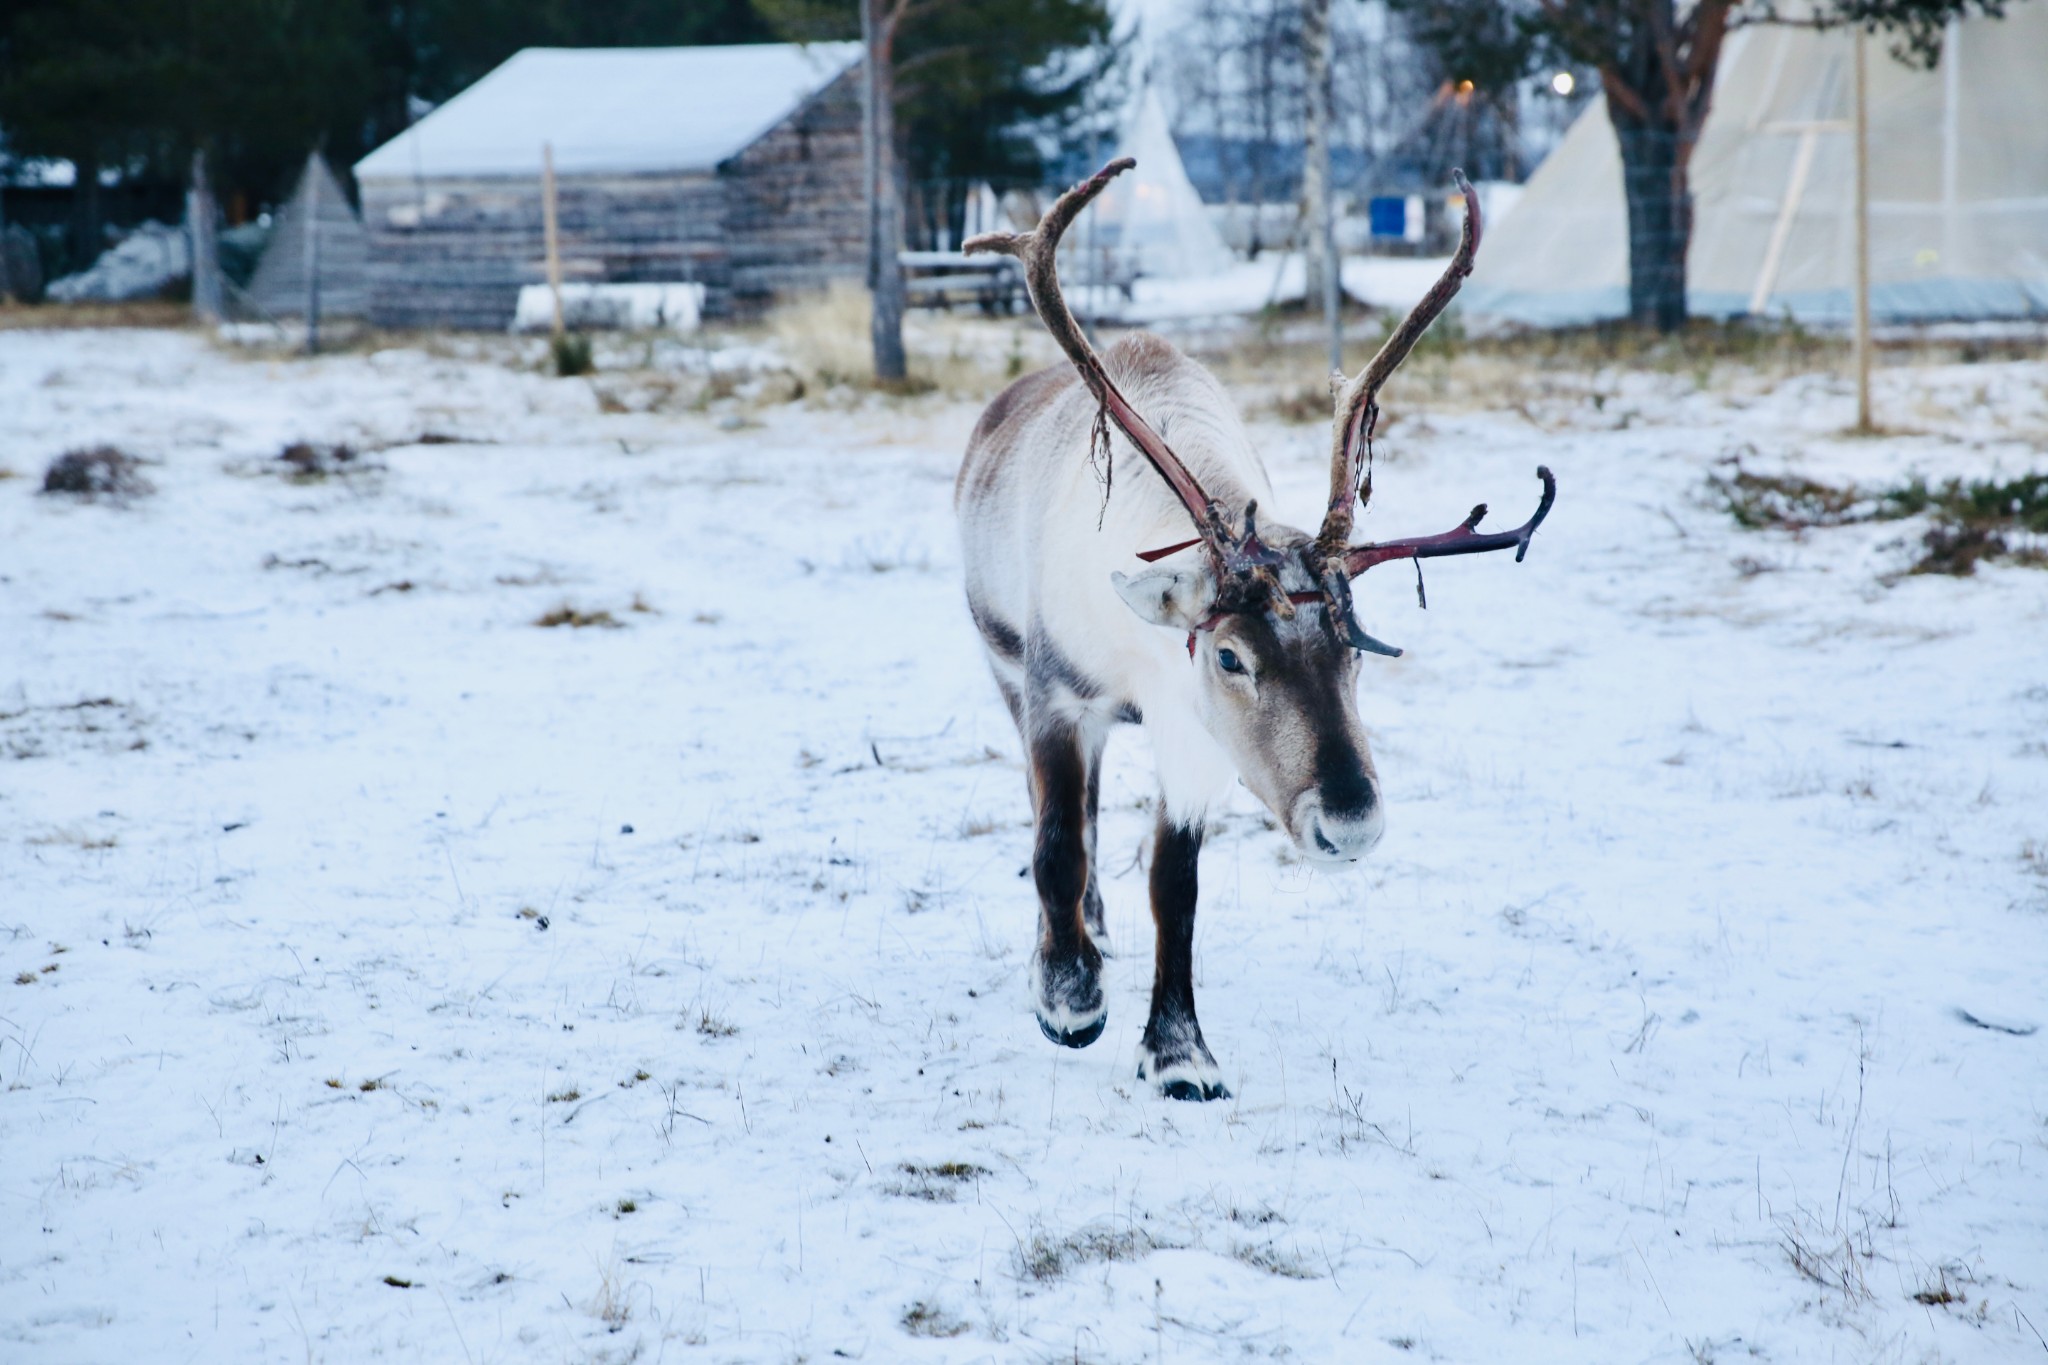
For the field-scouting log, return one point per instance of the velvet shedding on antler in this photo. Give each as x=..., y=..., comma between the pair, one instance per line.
x=1357, y=406
x=1244, y=565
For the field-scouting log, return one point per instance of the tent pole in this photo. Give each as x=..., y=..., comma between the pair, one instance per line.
x=312, y=253
x=551, y=225
x=1863, y=423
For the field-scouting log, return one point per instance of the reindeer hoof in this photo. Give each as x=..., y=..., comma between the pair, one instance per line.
x=1074, y=1037
x=1193, y=1077
x=1190, y=1090
x=1068, y=1001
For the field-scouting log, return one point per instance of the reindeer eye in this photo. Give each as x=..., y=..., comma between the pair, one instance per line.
x=1229, y=661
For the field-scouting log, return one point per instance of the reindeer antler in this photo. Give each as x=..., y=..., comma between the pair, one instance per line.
x=1351, y=436
x=1463, y=539
x=1246, y=568
x=1357, y=408
x=1038, y=249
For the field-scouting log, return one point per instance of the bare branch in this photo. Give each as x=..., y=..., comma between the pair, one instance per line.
x=1619, y=91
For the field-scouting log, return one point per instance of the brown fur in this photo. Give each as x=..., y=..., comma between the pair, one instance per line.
x=1023, y=399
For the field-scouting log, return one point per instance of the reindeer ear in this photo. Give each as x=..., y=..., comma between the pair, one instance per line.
x=1180, y=598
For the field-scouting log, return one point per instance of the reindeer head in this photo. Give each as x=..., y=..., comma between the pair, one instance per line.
x=1269, y=618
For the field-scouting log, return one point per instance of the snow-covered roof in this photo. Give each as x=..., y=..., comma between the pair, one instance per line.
x=616, y=110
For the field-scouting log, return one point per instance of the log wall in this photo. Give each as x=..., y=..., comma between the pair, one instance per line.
x=783, y=215
x=795, y=217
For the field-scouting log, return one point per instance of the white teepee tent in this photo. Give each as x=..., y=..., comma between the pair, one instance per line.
x=1150, y=220
x=1959, y=190
x=317, y=232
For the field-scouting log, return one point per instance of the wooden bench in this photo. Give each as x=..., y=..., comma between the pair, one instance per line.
x=941, y=279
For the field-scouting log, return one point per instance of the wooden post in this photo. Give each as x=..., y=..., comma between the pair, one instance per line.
x=1319, y=209
x=878, y=20
x=312, y=253
x=551, y=226
x=200, y=224
x=1863, y=422
x=1333, y=273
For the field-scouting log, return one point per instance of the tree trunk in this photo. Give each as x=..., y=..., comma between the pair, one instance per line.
x=885, y=207
x=88, y=237
x=1658, y=96
x=202, y=221
x=1659, y=194
x=1315, y=169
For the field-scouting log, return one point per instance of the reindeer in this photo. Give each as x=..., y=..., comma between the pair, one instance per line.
x=1238, y=649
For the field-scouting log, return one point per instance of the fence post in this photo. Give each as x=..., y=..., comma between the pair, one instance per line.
x=312, y=253
x=1863, y=235
x=551, y=229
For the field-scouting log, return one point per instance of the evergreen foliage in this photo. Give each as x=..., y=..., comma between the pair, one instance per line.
x=985, y=89
x=136, y=85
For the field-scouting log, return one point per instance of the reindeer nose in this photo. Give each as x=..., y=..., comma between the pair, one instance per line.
x=1334, y=835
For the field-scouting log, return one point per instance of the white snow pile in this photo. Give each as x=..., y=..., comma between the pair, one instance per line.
x=385, y=975
x=1246, y=287
x=142, y=265
x=634, y=307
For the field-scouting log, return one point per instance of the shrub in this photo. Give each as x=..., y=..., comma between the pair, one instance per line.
x=101, y=471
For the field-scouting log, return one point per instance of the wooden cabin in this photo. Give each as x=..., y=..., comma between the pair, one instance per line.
x=738, y=168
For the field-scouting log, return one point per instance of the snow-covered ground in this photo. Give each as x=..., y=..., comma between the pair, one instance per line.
x=1248, y=286
x=388, y=977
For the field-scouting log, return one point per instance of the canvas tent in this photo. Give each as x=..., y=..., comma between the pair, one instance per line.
x=315, y=238
x=737, y=168
x=1958, y=195
x=1150, y=221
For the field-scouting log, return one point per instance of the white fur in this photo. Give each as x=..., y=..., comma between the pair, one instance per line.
x=1029, y=507
x=1197, y=1071
x=1060, y=1018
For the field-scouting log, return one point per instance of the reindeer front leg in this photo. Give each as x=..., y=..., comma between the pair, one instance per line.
x=1091, y=899
x=1066, y=968
x=1172, y=1054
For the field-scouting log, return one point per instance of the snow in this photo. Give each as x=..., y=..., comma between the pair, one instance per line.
x=342, y=972
x=1150, y=218
x=639, y=307
x=146, y=262
x=1249, y=286
x=612, y=110
x=38, y=172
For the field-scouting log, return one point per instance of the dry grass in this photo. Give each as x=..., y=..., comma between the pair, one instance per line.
x=1982, y=520
x=935, y=1184
x=315, y=462
x=566, y=615
x=926, y=1319
x=98, y=472
x=1275, y=1261
x=1277, y=365
x=824, y=336
x=15, y=317
x=710, y=1025
x=611, y=1304
x=1047, y=1259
